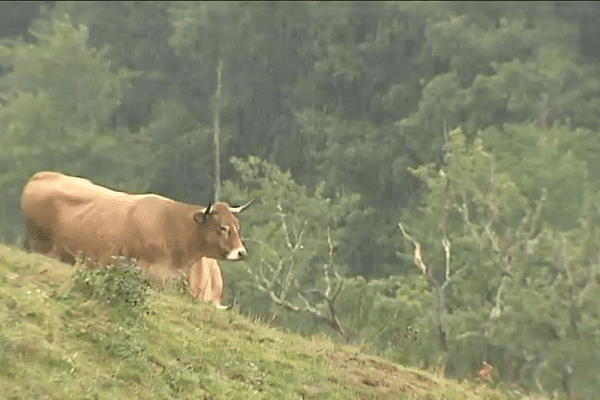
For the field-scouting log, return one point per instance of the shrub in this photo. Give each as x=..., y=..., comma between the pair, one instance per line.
x=121, y=284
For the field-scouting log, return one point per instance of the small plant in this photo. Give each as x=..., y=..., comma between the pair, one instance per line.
x=119, y=284
x=124, y=288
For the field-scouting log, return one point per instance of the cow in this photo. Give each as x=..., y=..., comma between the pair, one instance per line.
x=68, y=217
x=206, y=281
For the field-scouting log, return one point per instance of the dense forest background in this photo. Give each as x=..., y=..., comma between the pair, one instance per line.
x=474, y=124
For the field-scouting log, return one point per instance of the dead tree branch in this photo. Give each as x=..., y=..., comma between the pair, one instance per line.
x=276, y=279
x=437, y=291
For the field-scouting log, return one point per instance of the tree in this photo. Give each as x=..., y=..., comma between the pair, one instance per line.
x=133, y=35
x=516, y=305
x=60, y=98
x=290, y=241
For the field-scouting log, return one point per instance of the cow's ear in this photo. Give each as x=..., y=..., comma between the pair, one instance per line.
x=200, y=216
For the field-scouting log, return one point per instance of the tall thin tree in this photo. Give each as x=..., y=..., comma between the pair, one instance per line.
x=217, y=131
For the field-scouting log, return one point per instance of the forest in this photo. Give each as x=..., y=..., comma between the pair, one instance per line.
x=426, y=175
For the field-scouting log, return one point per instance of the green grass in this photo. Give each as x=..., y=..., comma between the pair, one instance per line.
x=61, y=339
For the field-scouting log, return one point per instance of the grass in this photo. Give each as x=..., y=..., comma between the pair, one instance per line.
x=59, y=340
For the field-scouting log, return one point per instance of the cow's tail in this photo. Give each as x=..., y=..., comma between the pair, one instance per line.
x=26, y=244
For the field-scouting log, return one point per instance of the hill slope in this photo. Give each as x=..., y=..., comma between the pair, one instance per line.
x=57, y=342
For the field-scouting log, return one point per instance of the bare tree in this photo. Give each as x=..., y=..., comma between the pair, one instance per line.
x=437, y=290
x=217, y=132
x=277, y=280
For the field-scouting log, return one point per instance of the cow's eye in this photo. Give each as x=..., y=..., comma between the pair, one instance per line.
x=223, y=229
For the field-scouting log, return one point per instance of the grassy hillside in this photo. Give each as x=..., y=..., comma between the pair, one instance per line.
x=69, y=336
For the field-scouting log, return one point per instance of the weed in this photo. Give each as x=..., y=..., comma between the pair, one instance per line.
x=122, y=285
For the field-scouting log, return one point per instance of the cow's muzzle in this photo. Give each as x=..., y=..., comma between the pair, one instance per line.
x=237, y=254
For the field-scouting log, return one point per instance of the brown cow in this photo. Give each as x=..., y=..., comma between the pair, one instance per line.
x=67, y=216
x=206, y=281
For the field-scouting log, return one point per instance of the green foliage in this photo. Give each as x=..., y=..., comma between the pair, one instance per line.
x=133, y=35
x=361, y=158
x=287, y=230
x=349, y=152
x=123, y=287
x=184, y=166
x=497, y=67
x=388, y=315
x=253, y=44
x=550, y=160
x=516, y=303
x=78, y=81
x=121, y=284
x=61, y=95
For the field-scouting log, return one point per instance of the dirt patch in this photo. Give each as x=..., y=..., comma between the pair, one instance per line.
x=379, y=378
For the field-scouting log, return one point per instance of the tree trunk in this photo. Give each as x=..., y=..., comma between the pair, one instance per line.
x=217, y=131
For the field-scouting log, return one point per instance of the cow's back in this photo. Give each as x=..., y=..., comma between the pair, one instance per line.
x=37, y=206
x=67, y=215
x=40, y=210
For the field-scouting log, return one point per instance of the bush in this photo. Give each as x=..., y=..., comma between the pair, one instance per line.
x=123, y=287
x=121, y=284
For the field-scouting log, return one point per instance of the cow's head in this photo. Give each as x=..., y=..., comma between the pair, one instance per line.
x=220, y=231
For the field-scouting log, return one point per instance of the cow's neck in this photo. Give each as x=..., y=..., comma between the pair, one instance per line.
x=193, y=252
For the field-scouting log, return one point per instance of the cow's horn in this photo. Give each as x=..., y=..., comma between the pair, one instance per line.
x=239, y=209
x=208, y=209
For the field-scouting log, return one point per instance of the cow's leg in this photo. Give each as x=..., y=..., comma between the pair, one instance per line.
x=199, y=281
x=26, y=240
x=37, y=240
x=194, y=280
x=153, y=272
x=40, y=241
x=58, y=253
x=53, y=253
x=217, y=285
